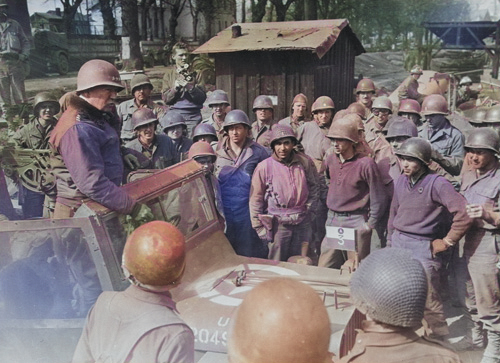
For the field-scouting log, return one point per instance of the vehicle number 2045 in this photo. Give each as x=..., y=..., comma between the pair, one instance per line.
x=206, y=336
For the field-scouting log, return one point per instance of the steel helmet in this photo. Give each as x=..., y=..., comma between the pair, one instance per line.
x=218, y=96
x=382, y=102
x=416, y=69
x=201, y=148
x=417, y=148
x=340, y=114
x=401, y=126
x=280, y=131
x=434, y=104
x=357, y=119
x=172, y=118
x=203, y=130
x=262, y=101
x=358, y=109
x=478, y=115
x=280, y=321
x=323, y=103
x=365, y=85
x=235, y=117
x=300, y=97
x=140, y=79
x=483, y=138
x=97, y=72
x=45, y=97
x=154, y=254
x=493, y=115
x=390, y=286
x=143, y=116
x=409, y=105
x=344, y=128
x=465, y=80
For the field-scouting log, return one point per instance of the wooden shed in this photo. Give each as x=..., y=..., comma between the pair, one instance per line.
x=282, y=59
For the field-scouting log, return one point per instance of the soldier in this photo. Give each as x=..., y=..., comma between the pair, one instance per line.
x=410, y=109
x=390, y=287
x=381, y=109
x=35, y=135
x=206, y=132
x=422, y=206
x=284, y=196
x=261, y=128
x=218, y=101
x=492, y=119
x=446, y=140
x=237, y=157
x=175, y=127
x=356, y=196
x=481, y=188
x=365, y=90
x=141, y=88
x=466, y=96
x=158, y=149
x=299, y=113
x=180, y=90
x=14, y=51
x=141, y=324
x=86, y=157
x=280, y=321
x=409, y=87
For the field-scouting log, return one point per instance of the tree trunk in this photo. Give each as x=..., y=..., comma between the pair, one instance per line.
x=258, y=10
x=131, y=29
x=108, y=18
x=310, y=10
x=243, y=11
x=69, y=14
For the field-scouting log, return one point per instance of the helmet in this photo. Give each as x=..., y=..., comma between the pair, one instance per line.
x=483, y=138
x=465, y=80
x=201, y=148
x=416, y=69
x=172, y=118
x=262, y=102
x=409, y=105
x=382, y=102
x=97, y=72
x=235, y=117
x=357, y=119
x=139, y=79
x=340, y=114
x=493, y=115
x=143, y=116
x=478, y=115
x=358, y=109
x=417, y=148
x=217, y=97
x=390, y=286
x=154, y=254
x=44, y=97
x=365, y=85
x=268, y=328
x=280, y=132
x=401, y=126
x=204, y=129
x=434, y=104
x=300, y=98
x=344, y=128
x=322, y=103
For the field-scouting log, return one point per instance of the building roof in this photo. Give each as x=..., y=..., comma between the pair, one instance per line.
x=463, y=35
x=317, y=36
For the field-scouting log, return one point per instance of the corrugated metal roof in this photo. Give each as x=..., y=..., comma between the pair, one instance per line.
x=315, y=35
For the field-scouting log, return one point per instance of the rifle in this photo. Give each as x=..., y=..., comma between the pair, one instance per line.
x=31, y=166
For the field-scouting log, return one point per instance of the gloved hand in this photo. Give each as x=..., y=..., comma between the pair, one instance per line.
x=131, y=161
x=439, y=245
x=262, y=233
x=142, y=213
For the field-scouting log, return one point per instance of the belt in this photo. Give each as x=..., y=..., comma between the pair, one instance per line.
x=347, y=214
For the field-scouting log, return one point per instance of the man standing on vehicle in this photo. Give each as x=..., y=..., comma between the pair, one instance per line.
x=86, y=159
x=14, y=51
x=141, y=88
x=409, y=87
x=141, y=324
x=180, y=91
x=299, y=113
x=284, y=196
x=237, y=158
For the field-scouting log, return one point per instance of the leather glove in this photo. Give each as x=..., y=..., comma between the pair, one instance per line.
x=142, y=213
x=439, y=245
x=131, y=162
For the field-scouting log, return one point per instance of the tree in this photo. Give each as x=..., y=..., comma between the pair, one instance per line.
x=131, y=29
x=258, y=10
x=176, y=7
x=70, y=7
x=281, y=8
x=106, y=7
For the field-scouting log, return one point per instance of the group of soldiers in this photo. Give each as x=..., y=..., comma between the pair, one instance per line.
x=398, y=181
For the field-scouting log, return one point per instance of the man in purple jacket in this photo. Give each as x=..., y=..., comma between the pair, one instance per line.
x=427, y=216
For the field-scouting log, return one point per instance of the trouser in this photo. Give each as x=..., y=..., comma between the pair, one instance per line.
x=287, y=240
x=192, y=117
x=11, y=81
x=335, y=258
x=421, y=250
x=32, y=204
x=318, y=225
x=242, y=236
